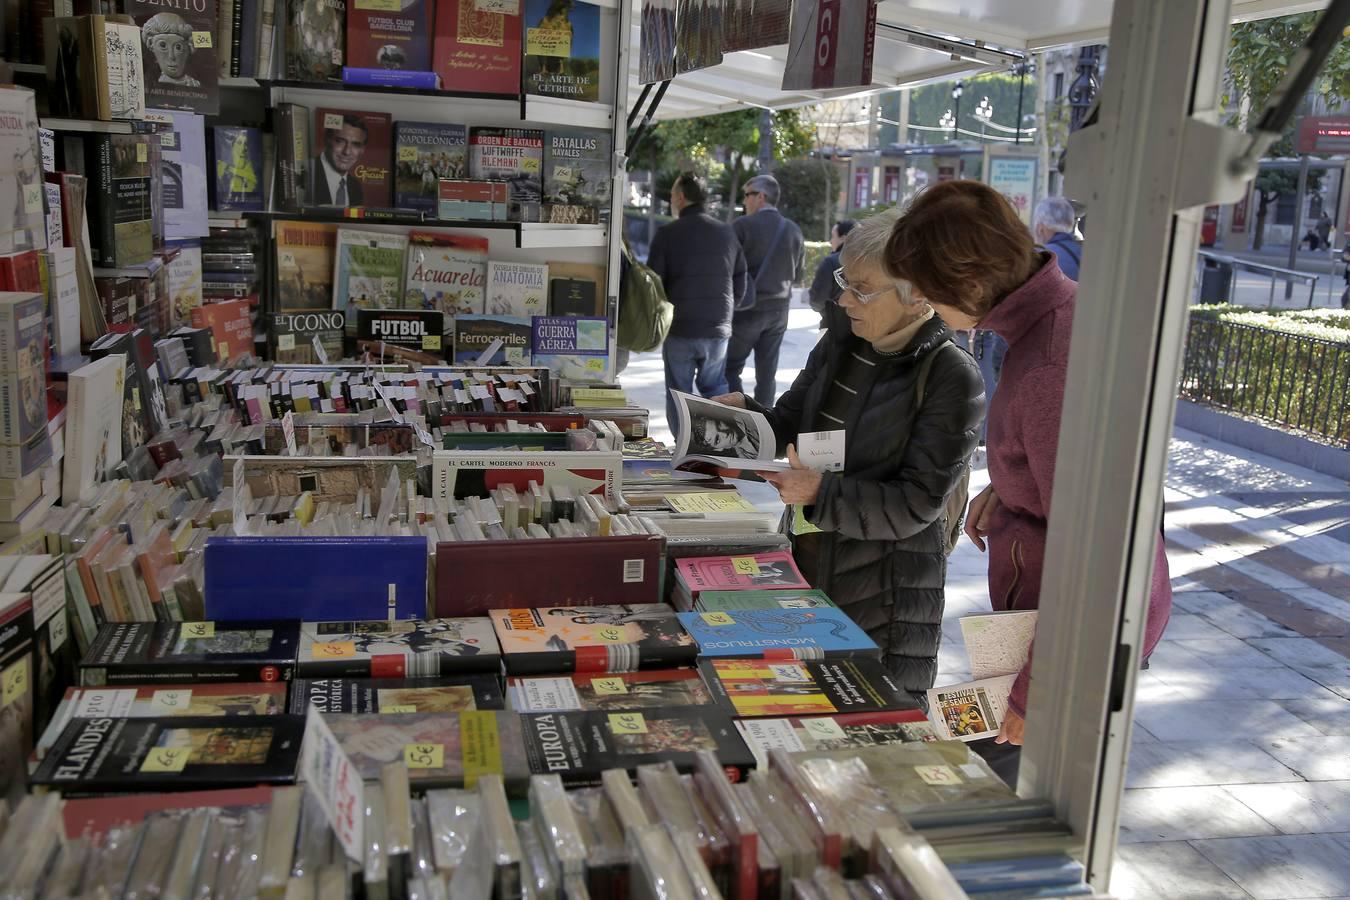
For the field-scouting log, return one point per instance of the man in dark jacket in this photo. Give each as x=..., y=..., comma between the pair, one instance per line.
x=1053, y=224
x=774, y=257
x=702, y=267
x=823, y=286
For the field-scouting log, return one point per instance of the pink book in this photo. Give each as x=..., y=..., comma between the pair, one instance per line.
x=741, y=573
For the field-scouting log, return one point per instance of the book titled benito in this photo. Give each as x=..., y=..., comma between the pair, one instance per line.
x=182, y=70
x=779, y=633
x=592, y=639
x=424, y=153
x=515, y=156
x=389, y=696
x=755, y=687
x=139, y=652
x=653, y=689
x=562, y=49
x=170, y=754
x=408, y=649
x=385, y=35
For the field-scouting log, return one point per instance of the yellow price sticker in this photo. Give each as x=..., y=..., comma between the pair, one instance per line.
x=424, y=756
x=142, y=153
x=431, y=342
x=166, y=759
x=201, y=40
x=529, y=164
x=745, y=565
x=609, y=635
x=14, y=682
x=824, y=729
x=399, y=708
x=197, y=629
x=609, y=685
x=332, y=120
x=171, y=703
x=407, y=154
x=627, y=723
x=223, y=351
x=595, y=364
x=335, y=650
x=718, y=618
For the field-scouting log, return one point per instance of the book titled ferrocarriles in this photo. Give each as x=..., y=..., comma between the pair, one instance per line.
x=171, y=754
x=592, y=639
x=390, y=696
x=791, y=687
x=140, y=652
x=410, y=648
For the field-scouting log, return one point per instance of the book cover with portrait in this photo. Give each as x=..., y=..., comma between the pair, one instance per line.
x=182, y=68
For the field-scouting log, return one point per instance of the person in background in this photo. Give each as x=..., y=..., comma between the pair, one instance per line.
x=1324, y=229
x=963, y=247
x=1054, y=222
x=873, y=536
x=700, y=263
x=774, y=257
x=824, y=289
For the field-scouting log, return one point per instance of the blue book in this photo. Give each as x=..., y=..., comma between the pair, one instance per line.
x=316, y=578
x=1024, y=872
x=397, y=78
x=790, y=633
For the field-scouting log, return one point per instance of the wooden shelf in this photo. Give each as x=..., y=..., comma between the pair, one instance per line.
x=91, y=126
x=28, y=68
x=529, y=235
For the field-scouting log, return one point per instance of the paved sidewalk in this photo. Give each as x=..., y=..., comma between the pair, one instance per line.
x=1239, y=777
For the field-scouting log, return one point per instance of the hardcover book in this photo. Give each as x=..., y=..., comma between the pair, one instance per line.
x=577, y=176
x=788, y=687
x=25, y=444
x=236, y=168
x=562, y=49
x=93, y=425
x=385, y=35
x=415, y=329
x=453, y=748
x=424, y=153
x=446, y=273
x=291, y=336
x=165, y=754
x=799, y=735
x=408, y=649
x=182, y=69
x=579, y=746
x=305, y=254
x=729, y=601
x=21, y=192
x=573, y=297
x=738, y=573
x=390, y=696
x=183, y=171
x=794, y=633
x=190, y=652
x=592, y=639
x=477, y=50
x=294, y=156
x=315, y=39
x=368, y=272
x=230, y=326
x=119, y=69
x=474, y=473
x=352, y=160
x=515, y=156
x=654, y=689
x=474, y=335
x=516, y=289
x=94, y=68
x=120, y=213
x=569, y=336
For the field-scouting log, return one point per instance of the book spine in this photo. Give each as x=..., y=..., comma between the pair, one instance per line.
x=267, y=40
x=105, y=237
x=236, y=36
x=287, y=198
x=224, y=35
x=390, y=78
x=101, y=98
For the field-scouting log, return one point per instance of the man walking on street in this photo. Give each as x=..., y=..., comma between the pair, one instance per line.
x=1053, y=224
x=703, y=269
x=774, y=256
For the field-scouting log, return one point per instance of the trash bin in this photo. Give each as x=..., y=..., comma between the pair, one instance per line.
x=1214, y=281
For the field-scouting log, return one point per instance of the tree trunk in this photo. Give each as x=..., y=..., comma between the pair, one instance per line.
x=730, y=210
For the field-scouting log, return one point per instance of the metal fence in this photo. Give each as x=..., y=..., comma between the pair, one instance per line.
x=1287, y=379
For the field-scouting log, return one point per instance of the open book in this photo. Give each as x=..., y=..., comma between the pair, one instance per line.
x=723, y=437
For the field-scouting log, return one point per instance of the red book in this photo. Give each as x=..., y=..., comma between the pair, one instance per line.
x=21, y=272
x=476, y=51
x=231, y=330
x=381, y=37
x=96, y=815
x=355, y=146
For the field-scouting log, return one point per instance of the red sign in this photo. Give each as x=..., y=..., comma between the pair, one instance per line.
x=1239, y=223
x=827, y=43
x=862, y=188
x=891, y=185
x=1323, y=134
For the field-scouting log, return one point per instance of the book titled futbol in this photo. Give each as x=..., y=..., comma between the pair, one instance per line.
x=591, y=639
x=779, y=634
x=651, y=689
x=139, y=652
x=408, y=648
x=761, y=687
x=396, y=695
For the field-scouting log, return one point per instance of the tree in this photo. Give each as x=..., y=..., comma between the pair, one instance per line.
x=804, y=181
x=1270, y=185
x=928, y=103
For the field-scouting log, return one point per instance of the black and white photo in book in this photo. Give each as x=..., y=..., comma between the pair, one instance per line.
x=656, y=53
x=713, y=434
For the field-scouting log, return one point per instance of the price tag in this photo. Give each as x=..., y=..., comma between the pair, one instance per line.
x=335, y=56
x=595, y=364
x=787, y=672
x=286, y=342
x=288, y=432
x=14, y=682
x=32, y=198
x=823, y=729
x=142, y=152
x=223, y=351
x=718, y=618
x=379, y=5
x=609, y=685
x=166, y=759
x=609, y=635
x=399, y=708
x=332, y=120
x=529, y=164
x=335, y=650
x=171, y=703
x=431, y=342
x=424, y=756
x=745, y=565
x=197, y=629
x=564, y=173
x=627, y=723
x=938, y=774
x=168, y=139
x=504, y=7
x=201, y=40
x=407, y=154
x=319, y=352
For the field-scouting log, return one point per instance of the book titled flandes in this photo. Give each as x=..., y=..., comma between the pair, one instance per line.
x=107, y=754
x=389, y=696
x=406, y=649
x=779, y=634
x=652, y=689
x=190, y=652
x=592, y=639
x=754, y=687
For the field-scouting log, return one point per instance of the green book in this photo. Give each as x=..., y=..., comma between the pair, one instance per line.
x=500, y=440
x=722, y=601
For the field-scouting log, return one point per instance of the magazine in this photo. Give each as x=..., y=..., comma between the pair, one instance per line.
x=971, y=710
x=723, y=437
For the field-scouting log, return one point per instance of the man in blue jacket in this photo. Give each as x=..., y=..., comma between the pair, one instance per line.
x=702, y=267
x=1053, y=225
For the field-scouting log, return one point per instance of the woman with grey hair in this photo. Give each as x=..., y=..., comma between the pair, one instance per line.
x=874, y=535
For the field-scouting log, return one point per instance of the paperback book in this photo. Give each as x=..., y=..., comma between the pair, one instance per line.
x=368, y=272
x=305, y=253
x=120, y=213
x=998, y=643
x=446, y=273
x=353, y=159
x=424, y=153
x=292, y=335
x=230, y=325
x=798, y=633
x=650, y=689
x=190, y=652
x=183, y=171
x=577, y=176
x=315, y=39
x=737, y=573
x=592, y=639
x=385, y=35
x=475, y=335
x=515, y=156
x=729, y=601
x=517, y=289
x=715, y=437
x=182, y=69
x=572, y=347
x=406, y=649
x=476, y=49
x=475, y=473
x=451, y=749
x=788, y=687
x=413, y=329
x=25, y=444
x=94, y=395
x=237, y=168
x=562, y=49
x=838, y=732
x=971, y=710
x=16, y=673
x=389, y=696
x=294, y=156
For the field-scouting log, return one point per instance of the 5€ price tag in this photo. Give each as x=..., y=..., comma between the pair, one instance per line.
x=627, y=723
x=745, y=565
x=424, y=756
x=717, y=618
x=166, y=759
x=14, y=682
x=198, y=629
x=609, y=685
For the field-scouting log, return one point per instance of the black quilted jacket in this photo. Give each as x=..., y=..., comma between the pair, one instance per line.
x=881, y=556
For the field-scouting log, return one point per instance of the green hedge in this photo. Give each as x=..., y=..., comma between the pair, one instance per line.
x=815, y=252
x=1323, y=324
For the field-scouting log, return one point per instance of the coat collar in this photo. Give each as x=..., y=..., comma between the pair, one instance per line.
x=1042, y=294
x=931, y=335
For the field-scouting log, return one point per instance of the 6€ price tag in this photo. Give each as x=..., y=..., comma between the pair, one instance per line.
x=171, y=703
x=166, y=759
x=745, y=565
x=609, y=685
x=627, y=723
x=609, y=635
x=14, y=682
x=718, y=618
x=198, y=629
x=424, y=756
x=334, y=650
x=823, y=729
x=938, y=774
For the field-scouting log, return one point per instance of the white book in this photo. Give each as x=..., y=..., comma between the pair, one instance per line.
x=723, y=437
x=998, y=643
x=517, y=289
x=970, y=710
x=93, y=425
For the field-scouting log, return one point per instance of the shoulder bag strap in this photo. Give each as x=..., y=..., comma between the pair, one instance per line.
x=773, y=245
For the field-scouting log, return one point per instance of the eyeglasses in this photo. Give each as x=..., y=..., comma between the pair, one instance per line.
x=749, y=194
x=840, y=280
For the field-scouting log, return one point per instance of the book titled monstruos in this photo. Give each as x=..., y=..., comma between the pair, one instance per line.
x=577, y=176
x=729, y=601
x=407, y=649
x=591, y=639
x=763, y=687
x=800, y=734
x=451, y=749
x=424, y=153
x=515, y=156
x=779, y=634
x=389, y=696
x=190, y=652
x=368, y=272
x=562, y=49
x=649, y=689
x=476, y=473
x=170, y=754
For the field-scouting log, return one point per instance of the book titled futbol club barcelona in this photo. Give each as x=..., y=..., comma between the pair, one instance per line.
x=389, y=34
x=779, y=633
x=190, y=652
x=763, y=687
x=591, y=639
x=408, y=649
x=389, y=696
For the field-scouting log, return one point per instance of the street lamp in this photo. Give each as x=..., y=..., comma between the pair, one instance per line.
x=984, y=112
x=956, y=98
x=948, y=121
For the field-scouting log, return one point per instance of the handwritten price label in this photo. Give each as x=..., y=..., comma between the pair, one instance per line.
x=609, y=685
x=335, y=650
x=595, y=364
x=332, y=120
x=823, y=729
x=529, y=165
x=399, y=708
x=424, y=756
x=198, y=629
x=285, y=342
x=407, y=154
x=627, y=723
x=609, y=635
x=745, y=565
x=142, y=153
x=166, y=759
x=171, y=703
x=431, y=342
x=201, y=40
x=718, y=618
x=14, y=682
x=938, y=774
x=32, y=198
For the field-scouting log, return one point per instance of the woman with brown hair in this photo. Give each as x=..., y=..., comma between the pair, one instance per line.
x=963, y=248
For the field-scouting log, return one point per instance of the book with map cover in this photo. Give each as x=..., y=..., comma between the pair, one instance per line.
x=591, y=639
x=397, y=695
x=649, y=689
x=762, y=687
x=999, y=642
x=404, y=649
